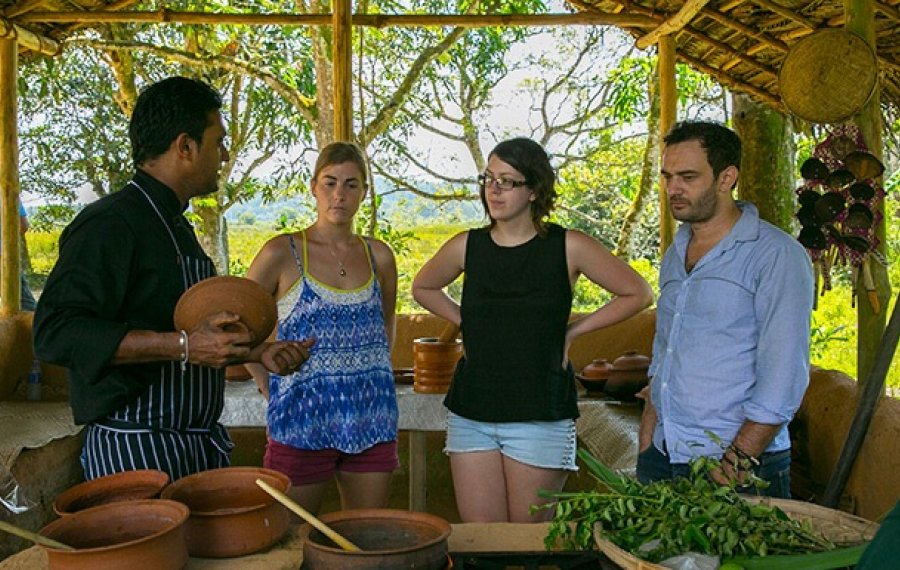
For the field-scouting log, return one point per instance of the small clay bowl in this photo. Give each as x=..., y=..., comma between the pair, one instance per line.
x=124, y=486
x=387, y=538
x=138, y=535
x=238, y=295
x=230, y=514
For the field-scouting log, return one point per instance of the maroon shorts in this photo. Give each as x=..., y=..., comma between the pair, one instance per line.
x=307, y=467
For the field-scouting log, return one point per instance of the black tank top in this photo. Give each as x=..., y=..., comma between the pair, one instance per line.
x=515, y=309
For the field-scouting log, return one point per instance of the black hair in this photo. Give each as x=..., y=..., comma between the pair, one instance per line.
x=529, y=158
x=722, y=145
x=166, y=109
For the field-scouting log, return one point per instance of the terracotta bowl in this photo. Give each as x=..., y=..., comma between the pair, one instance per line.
x=237, y=295
x=138, y=535
x=230, y=514
x=592, y=385
x=124, y=486
x=388, y=538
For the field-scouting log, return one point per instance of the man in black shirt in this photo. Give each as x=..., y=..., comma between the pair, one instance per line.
x=150, y=395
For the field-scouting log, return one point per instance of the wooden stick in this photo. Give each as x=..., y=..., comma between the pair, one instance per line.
x=308, y=517
x=33, y=536
x=449, y=333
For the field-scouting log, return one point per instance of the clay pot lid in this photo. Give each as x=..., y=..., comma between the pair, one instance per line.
x=238, y=295
x=598, y=369
x=631, y=360
x=118, y=487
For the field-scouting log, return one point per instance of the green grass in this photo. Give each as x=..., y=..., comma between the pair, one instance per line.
x=834, y=320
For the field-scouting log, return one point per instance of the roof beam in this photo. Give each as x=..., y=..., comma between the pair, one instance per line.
x=28, y=39
x=733, y=83
x=672, y=25
x=371, y=20
x=785, y=13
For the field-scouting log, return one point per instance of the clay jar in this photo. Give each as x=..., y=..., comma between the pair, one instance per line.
x=594, y=376
x=434, y=364
x=387, y=538
x=124, y=486
x=230, y=514
x=628, y=376
x=138, y=535
x=238, y=295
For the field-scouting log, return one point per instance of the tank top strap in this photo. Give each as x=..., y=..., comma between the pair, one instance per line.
x=300, y=264
x=372, y=263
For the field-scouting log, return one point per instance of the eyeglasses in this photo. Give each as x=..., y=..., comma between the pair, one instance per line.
x=486, y=180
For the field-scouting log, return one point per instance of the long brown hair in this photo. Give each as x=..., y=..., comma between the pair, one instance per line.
x=340, y=152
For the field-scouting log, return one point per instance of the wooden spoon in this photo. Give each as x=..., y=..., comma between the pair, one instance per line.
x=308, y=517
x=33, y=536
x=449, y=333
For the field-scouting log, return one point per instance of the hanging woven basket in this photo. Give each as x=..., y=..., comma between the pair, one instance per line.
x=828, y=76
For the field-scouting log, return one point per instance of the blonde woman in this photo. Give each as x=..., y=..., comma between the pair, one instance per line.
x=335, y=418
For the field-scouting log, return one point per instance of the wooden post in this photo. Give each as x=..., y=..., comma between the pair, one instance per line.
x=342, y=36
x=861, y=21
x=10, y=291
x=668, y=108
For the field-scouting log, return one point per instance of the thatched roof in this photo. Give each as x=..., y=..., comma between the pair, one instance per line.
x=741, y=43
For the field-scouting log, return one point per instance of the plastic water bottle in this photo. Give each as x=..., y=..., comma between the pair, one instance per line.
x=34, y=381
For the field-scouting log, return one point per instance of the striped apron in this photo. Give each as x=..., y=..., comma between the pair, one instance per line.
x=173, y=426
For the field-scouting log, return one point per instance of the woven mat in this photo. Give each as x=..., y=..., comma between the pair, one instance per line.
x=609, y=431
x=30, y=425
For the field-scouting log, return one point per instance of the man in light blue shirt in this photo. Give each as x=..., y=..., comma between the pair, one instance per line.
x=731, y=351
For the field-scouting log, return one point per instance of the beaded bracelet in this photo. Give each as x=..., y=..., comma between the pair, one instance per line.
x=185, y=349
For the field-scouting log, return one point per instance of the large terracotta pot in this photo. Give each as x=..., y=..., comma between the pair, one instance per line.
x=138, y=535
x=434, y=363
x=124, y=486
x=388, y=538
x=230, y=514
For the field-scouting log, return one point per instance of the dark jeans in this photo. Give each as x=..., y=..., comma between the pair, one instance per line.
x=773, y=467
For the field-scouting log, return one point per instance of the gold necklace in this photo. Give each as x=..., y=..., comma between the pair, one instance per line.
x=342, y=271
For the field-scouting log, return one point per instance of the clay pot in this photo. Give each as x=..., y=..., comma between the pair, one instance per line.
x=138, y=535
x=124, y=486
x=628, y=376
x=434, y=364
x=388, y=538
x=230, y=514
x=594, y=376
x=238, y=295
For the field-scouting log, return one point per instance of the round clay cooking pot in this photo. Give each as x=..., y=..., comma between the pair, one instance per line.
x=628, y=376
x=230, y=514
x=138, y=535
x=124, y=486
x=434, y=363
x=594, y=376
x=387, y=538
x=239, y=295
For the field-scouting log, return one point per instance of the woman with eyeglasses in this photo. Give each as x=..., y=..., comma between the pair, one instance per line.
x=336, y=417
x=512, y=402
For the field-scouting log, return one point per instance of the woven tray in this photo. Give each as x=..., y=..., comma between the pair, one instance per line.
x=828, y=76
x=837, y=526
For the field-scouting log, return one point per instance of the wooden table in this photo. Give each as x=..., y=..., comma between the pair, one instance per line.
x=609, y=429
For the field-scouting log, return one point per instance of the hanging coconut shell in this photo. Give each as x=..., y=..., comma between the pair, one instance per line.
x=862, y=191
x=859, y=217
x=813, y=169
x=840, y=178
x=857, y=243
x=829, y=206
x=807, y=215
x=812, y=238
x=863, y=165
x=808, y=198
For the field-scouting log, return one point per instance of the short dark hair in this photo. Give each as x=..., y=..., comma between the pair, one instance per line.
x=722, y=145
x=166, y=109
x=529, y=158
x=338, y=153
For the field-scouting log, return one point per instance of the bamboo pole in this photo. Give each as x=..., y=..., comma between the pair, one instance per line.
x=10, y=290
x=371, y=20
x=861, y=21
x=28, y=39
x=672, y=24
x=668, y=110
x=342, y=78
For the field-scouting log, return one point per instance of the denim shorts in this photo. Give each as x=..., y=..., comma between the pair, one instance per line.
x=549, y=445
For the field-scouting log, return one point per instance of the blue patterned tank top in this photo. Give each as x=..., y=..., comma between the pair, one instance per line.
x=343, y=397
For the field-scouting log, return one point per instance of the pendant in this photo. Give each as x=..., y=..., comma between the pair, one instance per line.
x=343, y=272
